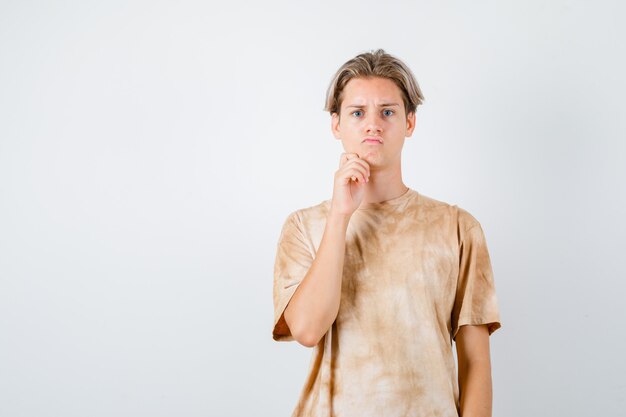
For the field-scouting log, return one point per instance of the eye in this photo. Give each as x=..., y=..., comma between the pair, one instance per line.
x=357, y=111
x=388, y=110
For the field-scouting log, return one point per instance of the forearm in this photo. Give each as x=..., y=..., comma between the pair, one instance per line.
x=315, y=304
x=475, y=388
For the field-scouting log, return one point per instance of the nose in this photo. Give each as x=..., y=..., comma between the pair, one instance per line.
x=373, y=124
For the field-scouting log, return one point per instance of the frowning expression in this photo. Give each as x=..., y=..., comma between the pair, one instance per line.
x=372, y=120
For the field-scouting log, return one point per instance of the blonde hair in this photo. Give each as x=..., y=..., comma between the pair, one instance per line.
x=376, y=63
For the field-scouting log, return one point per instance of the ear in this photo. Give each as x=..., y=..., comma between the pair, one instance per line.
x=410, y=124
x=334, y=125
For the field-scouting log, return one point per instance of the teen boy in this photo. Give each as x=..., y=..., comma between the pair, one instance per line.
x=381, y=279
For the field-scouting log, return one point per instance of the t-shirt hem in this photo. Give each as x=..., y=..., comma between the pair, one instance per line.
x=493, y=324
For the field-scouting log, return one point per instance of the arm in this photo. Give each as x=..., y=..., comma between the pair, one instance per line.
x=472, y=344
x=315, y=303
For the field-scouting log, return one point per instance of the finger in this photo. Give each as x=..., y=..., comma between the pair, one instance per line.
x=357, y=173
x=358, y=180
x=353, y=166
x=360, y=163
x=345, y=157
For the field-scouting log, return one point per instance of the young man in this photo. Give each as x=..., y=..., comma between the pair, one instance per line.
x=381, y=279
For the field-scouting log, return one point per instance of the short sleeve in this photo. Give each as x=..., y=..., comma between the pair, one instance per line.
x=475, y=301
x=293, y=260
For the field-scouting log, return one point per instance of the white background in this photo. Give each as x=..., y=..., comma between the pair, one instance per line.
x=150, y=152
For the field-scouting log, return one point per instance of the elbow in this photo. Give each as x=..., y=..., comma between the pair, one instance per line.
x=306, y=338
x=302, y=333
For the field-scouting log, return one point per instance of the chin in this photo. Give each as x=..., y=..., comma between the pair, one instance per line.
x=373, y=159
x=372, y=154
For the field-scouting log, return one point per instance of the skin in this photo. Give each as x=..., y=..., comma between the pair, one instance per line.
x=472, y=346
x=373, y=107
x=362, y=115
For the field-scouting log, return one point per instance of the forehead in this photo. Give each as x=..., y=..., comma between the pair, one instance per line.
x=371, y=89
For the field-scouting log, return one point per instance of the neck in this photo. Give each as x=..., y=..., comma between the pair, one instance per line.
x=384, y=184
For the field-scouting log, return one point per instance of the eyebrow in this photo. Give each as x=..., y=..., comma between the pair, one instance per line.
x=380, y=105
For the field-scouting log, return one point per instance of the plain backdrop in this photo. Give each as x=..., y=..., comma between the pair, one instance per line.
x=150, y=152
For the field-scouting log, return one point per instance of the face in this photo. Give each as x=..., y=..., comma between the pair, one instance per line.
x=373, y=108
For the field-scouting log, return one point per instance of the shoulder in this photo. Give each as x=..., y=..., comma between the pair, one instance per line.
x=307, y=216
x=455, y=213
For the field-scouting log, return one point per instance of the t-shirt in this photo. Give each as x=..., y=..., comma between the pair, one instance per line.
x=415, y=270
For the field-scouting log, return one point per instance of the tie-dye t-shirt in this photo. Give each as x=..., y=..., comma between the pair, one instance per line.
x=415, y=269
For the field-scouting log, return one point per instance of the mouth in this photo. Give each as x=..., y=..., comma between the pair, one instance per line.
x=373, y=140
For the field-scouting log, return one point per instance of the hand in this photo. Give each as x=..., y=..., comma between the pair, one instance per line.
x=349, y=185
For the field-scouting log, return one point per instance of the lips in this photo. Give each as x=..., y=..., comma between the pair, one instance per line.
x=372, y=140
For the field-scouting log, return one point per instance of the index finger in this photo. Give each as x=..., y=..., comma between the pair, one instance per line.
x=347, y=156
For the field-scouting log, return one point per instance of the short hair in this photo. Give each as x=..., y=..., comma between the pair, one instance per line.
x=376, y=63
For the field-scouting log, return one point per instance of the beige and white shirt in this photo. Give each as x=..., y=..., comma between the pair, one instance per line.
x=415, y=269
